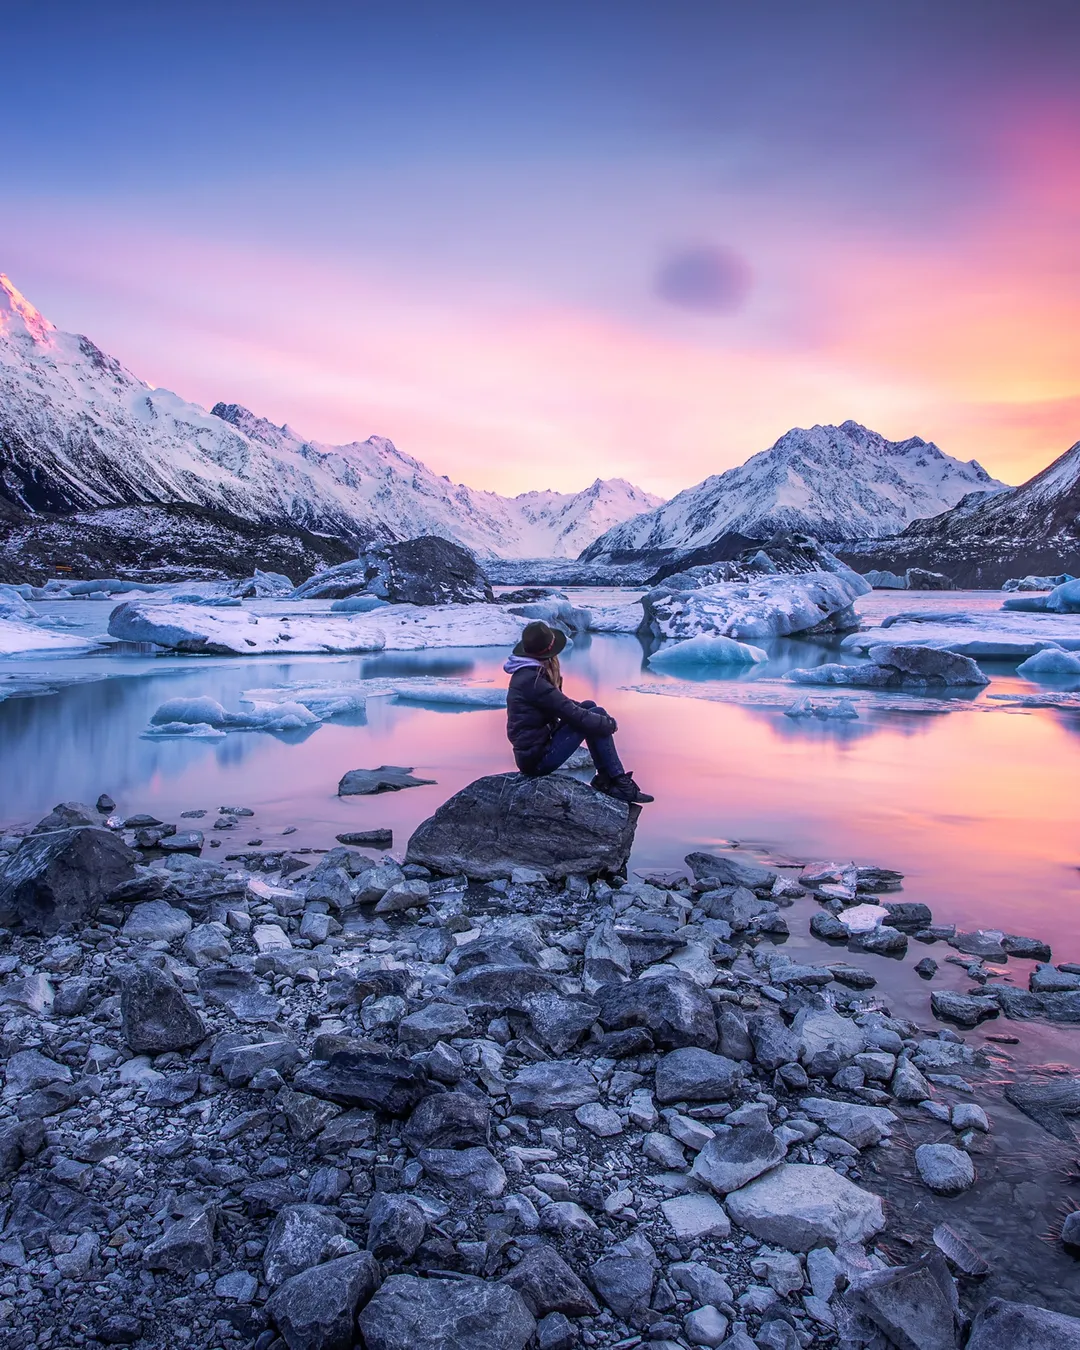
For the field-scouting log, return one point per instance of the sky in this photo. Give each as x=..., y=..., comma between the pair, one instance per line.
x=538, y=243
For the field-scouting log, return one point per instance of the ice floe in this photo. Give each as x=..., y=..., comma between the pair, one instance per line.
x=18, y=638
x=839, y=709
x=992, y=635
x=189, y=628
x=707, y=649
x=768, y=606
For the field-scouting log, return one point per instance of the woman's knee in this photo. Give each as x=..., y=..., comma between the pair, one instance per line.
x=587, y=703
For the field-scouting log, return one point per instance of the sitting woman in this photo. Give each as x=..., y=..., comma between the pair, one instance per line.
x=545, y=727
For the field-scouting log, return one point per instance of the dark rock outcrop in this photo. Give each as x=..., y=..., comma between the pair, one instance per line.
x=59, y=879
x=424, y=571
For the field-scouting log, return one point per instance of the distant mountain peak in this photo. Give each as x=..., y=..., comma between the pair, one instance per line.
x=839, y=483
x=18, y=316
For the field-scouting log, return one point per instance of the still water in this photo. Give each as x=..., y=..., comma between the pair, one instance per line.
x=977, y=807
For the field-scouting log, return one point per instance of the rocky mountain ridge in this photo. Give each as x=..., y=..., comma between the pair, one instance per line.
x=983, y=541
x=79, y=432
x=838, y=483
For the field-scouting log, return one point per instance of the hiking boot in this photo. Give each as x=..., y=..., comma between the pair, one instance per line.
x=624, y=789
x=601, y=782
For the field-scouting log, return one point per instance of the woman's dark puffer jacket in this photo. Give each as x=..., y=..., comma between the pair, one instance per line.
x=534, y=708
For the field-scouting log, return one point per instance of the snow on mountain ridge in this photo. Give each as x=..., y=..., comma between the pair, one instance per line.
x=79, y=431
x=837, y=482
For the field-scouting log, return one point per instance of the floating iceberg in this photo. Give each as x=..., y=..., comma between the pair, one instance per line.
x=769, y=606
x=297, y=707
x=838, y=710
x=557, y=611
x=207, y=712
x=707, y=650
x=1050, y=661
x=616, y=618
x=893, y=667
x=357, y=604
x=456, y=695
x=189, y=628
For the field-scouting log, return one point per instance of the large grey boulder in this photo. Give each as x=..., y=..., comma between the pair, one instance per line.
x=555, y=825
x=802, y=1205
x=316, y=1310
x=155, y=1014
x=411, y=1313
x=1021, y=1326
x=57, y=880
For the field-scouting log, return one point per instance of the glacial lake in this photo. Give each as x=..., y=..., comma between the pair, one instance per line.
x=975, y=805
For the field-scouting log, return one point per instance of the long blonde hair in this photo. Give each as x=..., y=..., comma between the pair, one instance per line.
x=552, y=670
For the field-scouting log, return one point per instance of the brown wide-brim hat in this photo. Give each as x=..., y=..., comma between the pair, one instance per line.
x=540, y=642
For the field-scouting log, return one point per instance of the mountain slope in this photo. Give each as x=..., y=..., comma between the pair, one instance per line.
x=80, y=432
x=838, y=483
x=1031, y=529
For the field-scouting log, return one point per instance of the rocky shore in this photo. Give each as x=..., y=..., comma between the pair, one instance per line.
x=271, y=1098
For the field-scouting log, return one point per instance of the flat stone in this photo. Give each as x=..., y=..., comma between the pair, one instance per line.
x=963, y=1009
x=729, y=869
x=694, y=1217
x=599, y=1120
x=861, y=1126
x=386, y=778
x=156, y=921
x=469, y=1172
x=736, y=1156
x=944, y=1169
x=800, y=1206
x=355, y=1078
x=986, y=943
x=552, y=1086
x=696, y=1075
x=412, y=1313
x=701, y=1282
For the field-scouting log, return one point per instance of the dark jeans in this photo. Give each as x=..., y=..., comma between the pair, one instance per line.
x=566, y=740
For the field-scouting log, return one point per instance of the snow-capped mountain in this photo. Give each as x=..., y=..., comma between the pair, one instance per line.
x=79, y=432
x=1033, y=528
x=838, y=483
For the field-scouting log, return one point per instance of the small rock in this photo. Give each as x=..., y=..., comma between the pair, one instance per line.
x=944, y=1169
